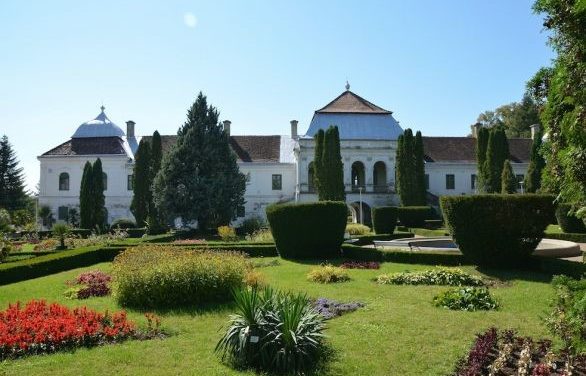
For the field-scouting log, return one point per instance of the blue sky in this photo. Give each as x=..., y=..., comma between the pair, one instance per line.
x=435, y=64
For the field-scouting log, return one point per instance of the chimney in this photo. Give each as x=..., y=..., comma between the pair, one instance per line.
x=227, y=126
x=475, y=128
x=130, y=129
x=535, y=128
x=294, y=128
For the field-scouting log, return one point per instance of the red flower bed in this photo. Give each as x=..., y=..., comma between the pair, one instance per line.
x=39, y=327
x=360, y=265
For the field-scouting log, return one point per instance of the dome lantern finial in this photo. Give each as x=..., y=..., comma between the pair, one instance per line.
x=347, y=86
x=102, y=107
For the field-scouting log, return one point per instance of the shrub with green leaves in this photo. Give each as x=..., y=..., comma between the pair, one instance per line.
x=60, y=231
x=313, y=230
x=5, y=249
x=497, y=230
x=414, y=216
x=384, y=219
x=328, y=274
x=466, y=299
x=122, y=224
x=273, y=332
x=170, y=276
x=251, y=225
x=357, y=229
x=438, y=276
x=568, y=221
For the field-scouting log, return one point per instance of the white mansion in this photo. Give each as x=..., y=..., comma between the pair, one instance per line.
x=278, y=168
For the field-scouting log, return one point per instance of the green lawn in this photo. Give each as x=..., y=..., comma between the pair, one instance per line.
x=399, y=332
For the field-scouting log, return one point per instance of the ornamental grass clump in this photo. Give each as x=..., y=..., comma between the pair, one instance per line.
x=466, y=299
x=328, y=274
x=171, y=276
x=273, y=332
x=438, y=276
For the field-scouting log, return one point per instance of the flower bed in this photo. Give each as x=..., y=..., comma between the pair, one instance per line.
x=437, y=276
x=328, y=274
x=39, y=327
x=360, y=265
x=504, y=353
x=330, y=308
x=88, y=284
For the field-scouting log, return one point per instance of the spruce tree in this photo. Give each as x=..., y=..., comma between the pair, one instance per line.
x=508, y=179
x=99, y=200
x=86, y=205
x=481, y=147
x=536, y=164
x=496, y=154
x=420, y=190
x=317, y=163
x=142, y=180
x=12, y=192
x=199, y=178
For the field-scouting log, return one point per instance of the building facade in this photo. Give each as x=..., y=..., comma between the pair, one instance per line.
x=277, y=168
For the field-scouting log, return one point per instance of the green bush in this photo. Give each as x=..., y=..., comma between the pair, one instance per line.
x=578, y=238
x=251, y=225
x=357, y=229
x=136, y=232
x=358, y=253
x=314, y=230
x=438, y=276
x=5, y=249
x=122, y=224
x=466, y=299
x=81, y=232
x=497, y=230
x=166, y=276
x=414, y=216
x=384, y=219
x=568, y=221
x=328, y=274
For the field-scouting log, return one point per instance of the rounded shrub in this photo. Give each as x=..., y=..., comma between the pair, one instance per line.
x=497, y=230
x=384, y=219
x=568, y=221
x=312, y=230
x=251, y=225
x=414, y=216
x=357, y=229
x=122, y=224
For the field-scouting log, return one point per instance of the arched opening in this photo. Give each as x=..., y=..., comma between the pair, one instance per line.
x=361, y=213
x=310, y=178
x=379, y=177
x=358, y=178
x=105, y=180
x=64, y=181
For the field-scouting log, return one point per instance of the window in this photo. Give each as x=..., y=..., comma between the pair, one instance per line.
x=473, y=179
x=63, y=213
x=450, y=181
x=277, y=182
x=130, y=183
x=241, y=211
x=427, y=181
x=105, y=180
x=64, y=181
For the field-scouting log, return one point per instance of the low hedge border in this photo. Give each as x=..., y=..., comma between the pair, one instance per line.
x=358, y=253
x=58, y=262
x=252, y=250
x=578, y=238
x=368, y=239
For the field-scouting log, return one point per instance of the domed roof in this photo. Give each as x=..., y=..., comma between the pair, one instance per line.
x=101, y=126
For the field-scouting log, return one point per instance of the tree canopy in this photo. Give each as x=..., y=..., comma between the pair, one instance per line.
x=516, y=117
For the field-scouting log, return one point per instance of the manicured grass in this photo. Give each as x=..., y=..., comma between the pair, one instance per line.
x=399, y=332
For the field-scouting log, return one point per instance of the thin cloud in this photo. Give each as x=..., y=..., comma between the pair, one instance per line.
x=190, y=20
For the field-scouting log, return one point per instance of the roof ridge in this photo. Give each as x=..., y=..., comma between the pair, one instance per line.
x=373, y=107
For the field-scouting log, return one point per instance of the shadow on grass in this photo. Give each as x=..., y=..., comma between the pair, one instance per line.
x=189, y=310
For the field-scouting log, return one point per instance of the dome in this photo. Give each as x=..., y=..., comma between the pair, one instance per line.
x=101, y=126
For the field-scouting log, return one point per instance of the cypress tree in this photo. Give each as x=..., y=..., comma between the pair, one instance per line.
x=420, y=191
x=481, y=148
x=86, y=206
x=318, y=164
x=199, y=178
x=142, y=180
x=399, y=160
x=12, y=192
x=331, y=171
x=508, y=179
x=496, y=154
x=155, y=218
x=536, y=164
x=99, y=200
x=338, y=168
x=407, y=178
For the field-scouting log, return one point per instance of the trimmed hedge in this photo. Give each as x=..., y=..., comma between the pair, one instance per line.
x=54, y=263
x=414, y=216
x=252, y=250
x=313, y=230
x=358, y=253
x=578, y=238
x=384, y=219
x=368, y=239
x=123, y=224
x=497, y=230
x=136, y=232
x=569, y=222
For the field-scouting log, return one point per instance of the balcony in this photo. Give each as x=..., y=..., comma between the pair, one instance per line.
x=353, y=188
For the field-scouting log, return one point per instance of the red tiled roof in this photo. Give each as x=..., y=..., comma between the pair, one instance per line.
x=351, y=103
x=455, y=149
x=89, y=146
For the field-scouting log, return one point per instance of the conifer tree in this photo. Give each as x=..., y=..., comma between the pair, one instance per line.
x=339, y=190
x=12, y=193
x=508, y=179
x=481, y=147
x=331, y=170
x=420, y=190
x=142, y=199
x=317, y=163
x=86, y=205
x=99, y=200
x=496, y=154
x=199, y=178
x=406, y=176
x=536, y=164
x=155, y=217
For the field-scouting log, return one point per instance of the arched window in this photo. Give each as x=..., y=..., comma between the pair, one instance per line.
x=310, y=178
x=64, y=181
x=379, y=177
x=105, y=180
x=358, y=180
